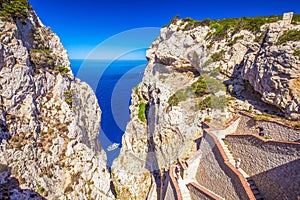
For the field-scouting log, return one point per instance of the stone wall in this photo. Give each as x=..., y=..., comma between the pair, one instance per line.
x=275, y=130
x=169, y=191
x=229, y=128
x=197, y=194
x=273, y=165
x=214, y=174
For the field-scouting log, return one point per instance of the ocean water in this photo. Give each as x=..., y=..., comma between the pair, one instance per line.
x=112, y=83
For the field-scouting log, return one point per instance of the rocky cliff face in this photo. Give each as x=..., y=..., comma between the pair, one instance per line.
x=204, y=71
x=49, y=120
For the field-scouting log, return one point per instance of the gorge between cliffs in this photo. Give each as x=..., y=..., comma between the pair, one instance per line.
x=203, y=78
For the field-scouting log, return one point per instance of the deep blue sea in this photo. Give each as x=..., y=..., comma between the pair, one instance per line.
x=112, y=82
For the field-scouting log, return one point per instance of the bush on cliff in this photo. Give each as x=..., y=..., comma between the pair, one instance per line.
x=291, y=35
x=62, y=69
x=142, y=112
x=200, y=87
x=12, y=9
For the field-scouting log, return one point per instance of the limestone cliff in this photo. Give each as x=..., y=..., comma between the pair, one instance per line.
x=49, y=120
x=205, y=71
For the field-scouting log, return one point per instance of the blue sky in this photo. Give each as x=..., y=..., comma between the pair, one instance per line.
x=83, y=25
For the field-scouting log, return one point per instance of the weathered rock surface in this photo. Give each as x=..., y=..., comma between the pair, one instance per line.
x=176, y=59
x=49, y=120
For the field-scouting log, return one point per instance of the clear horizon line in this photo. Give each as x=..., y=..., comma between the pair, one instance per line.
x=105, y=59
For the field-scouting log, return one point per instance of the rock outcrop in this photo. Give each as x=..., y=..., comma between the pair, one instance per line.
x=49, y=120
x=204, y=71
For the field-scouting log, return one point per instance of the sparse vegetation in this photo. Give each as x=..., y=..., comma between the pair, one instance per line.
x=210, y=45
x=40, y=190
x=218, y=56
x=213, y=84
x=69, y=96
x=232, y=42
x=42, y=58
x=190, y=23
x=13, y=9
x=296, y=52
x=204, y=104
x=264, y=117
x=259, y=39
x=291, y=35
x=218, y=102
x=253, y=24
x=136, y=91
x=62, y=69
x=142, y=112
x=250, y=109
x=173, y=100
x=208, y=62
x=267, y=137
x=200, y=87
x=216, y=71
x=50, y=131
x=296, y=19
x=180, y=95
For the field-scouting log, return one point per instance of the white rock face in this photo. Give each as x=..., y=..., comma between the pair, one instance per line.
x=49, y=121
x=176, y=59
x=273, y=70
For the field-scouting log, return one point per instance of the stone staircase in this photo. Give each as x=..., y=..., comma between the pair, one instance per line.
x=250, y=181
x=185, y=193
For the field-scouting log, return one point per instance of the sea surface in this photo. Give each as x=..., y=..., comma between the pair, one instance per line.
x=112, y=82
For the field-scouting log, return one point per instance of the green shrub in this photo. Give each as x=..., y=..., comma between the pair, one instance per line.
x=218, y=56
x=174, y=19
x=216, y=71
x=42, y=58
x=253, y=24
x=173, y=100
x=210, y=45
x=13, y=9
x=260, y=38
x=213, y=84
x=208, y=62
x=296, y=18
x=180, y=95
x=250, y=109
x=218, y=102
x=296, y=52
x=204, y=104
x=40, y=190
x=50, y=131
x=267, y=137
x=232, y=42
x=68, y=95
x=142, y=112
x=291, y=35
x=199, y=87
x=62, y=69
x=191, y=24
x=19, y=146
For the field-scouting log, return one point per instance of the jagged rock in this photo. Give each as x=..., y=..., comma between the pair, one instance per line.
x=49, y=120
x=247, y=62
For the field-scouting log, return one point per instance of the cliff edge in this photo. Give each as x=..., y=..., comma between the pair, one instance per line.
x=49, y=121
x=205, y=71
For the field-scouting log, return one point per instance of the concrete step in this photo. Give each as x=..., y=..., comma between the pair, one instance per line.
x=255, y=192
x=251, y=182
x=259, y=197
x=253, y=187
x=249, y=179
